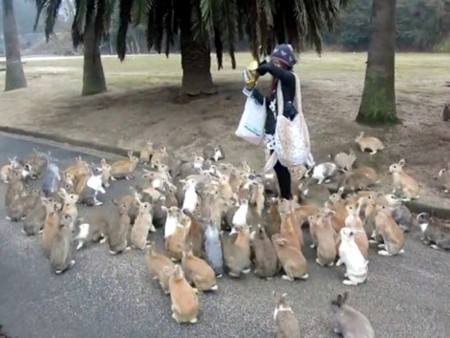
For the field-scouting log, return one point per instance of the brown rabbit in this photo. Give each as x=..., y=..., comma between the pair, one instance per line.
x=289, y=228
x=16, y=188
x=34, y=218
x=124, y=168
x=273, y=218
x=70, y=206
x=79, y=168
x=185, y=303
x=392, y=234
x=236, y=251
x=160, y=156
x=198, y=271
x=266, y=260
x=372, y=144
x=106, y=172
x=176, y=241
x=196, y=237
x=51, y=224
x=291, y=258
x=117, y=230
x=404, y=183
x=345, y=161
x=146, y=152
x=287, y=324
x=61, y=246
x=142, y=225
x=326, y=239
x=156, y=264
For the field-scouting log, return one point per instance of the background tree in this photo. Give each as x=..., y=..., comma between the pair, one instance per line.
x=378, y=98
x=90, y=25
x=201, y=24
x=15, y=77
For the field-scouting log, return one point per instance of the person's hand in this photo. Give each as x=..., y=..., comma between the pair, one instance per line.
x=251, y=75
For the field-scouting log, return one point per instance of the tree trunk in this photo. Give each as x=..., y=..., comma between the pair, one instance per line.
x=15, y=77
x=378, y=98
x=195, y=59
x=93, y=76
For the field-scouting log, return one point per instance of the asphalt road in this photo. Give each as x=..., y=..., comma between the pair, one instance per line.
x=113, y=296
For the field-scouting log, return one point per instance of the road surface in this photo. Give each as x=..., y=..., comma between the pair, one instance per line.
x=113, y=296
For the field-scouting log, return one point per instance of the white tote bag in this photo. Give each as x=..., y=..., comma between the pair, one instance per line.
x=253, y=120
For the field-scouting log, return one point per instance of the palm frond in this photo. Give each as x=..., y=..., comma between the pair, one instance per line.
x=79, y=22
x=124, y=20
x=40, y=4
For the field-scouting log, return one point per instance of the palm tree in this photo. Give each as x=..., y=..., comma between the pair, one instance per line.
x=202, y=23
x=378, y=98
x=90, y=25
x=15, y=77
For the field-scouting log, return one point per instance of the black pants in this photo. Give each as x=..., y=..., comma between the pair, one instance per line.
x=284, y=179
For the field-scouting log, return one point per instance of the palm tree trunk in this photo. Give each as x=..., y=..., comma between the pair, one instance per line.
x=93, y=76
x=195, y=59
x=15, y=77
x=378, y=98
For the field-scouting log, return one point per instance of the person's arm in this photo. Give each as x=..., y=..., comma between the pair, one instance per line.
x=285, y=76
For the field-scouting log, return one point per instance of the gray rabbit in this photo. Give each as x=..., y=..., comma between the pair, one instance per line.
x=350, y=323
x=213, y=248
x=50, y=184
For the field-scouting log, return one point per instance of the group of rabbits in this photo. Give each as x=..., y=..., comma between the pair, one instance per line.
x=217, y=217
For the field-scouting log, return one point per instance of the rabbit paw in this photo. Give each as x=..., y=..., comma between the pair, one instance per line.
x=434, y=246
x=373, y=241
x=318, y=262
x=348, y=282
x=384, y=253
x=80, y=245
x=312, y=246
x=286, y=277
x=113, y=178
x=331, y=264
x=339, y=262
x=382, y=246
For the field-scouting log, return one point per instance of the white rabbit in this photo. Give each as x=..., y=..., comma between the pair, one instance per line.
x=190, y=196
x=349, y=254
x=323, y=172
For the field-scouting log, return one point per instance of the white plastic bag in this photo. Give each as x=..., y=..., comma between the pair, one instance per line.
x=253, y=119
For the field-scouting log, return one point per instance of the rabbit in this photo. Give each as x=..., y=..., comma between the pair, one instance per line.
x=370, y=143
x=356, y=179
x=213, y=249
x=51, y=179
x=124, y=168
x=157, y=264
x=302, y=212
x=326, y=238
x=184, y=298
x=190, y=198
x=266, y=260
x=15, y=190
x=444, y=178
x=159, y=214
x=290, y=229
x=117, y=230
x=61, y=249
x=79, y=168
x=146, y=152
x=435, y=233
x=353, y=221
x=291, y=258
x=213, y=153
x=446, y=112
x=273, y=223
x=106, y=172
x=69, y=206
x=240, y=217
x=34, y=218
x=323, y=172
x=160, y=156
x=51, y=225
x=7, y=169
x=142, y=226
x=313, y=194
x=92, y=188
x=350, y=323
x=257, y=197
x=236, y=251
x=345, y=161
x=401, y=214
x=285, y=320
x=198, y=271
x=172, y=219
x=196, y=237
x=36, y=161
x=350, y=255
x=387, y=228
x=404, y=183
x=175, y=243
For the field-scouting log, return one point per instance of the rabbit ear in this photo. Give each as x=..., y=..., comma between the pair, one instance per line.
x=401, y=163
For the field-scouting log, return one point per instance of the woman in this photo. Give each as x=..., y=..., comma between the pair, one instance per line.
x=282, y=61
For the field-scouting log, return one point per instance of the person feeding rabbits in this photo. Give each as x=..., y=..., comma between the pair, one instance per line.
x=286, y=134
